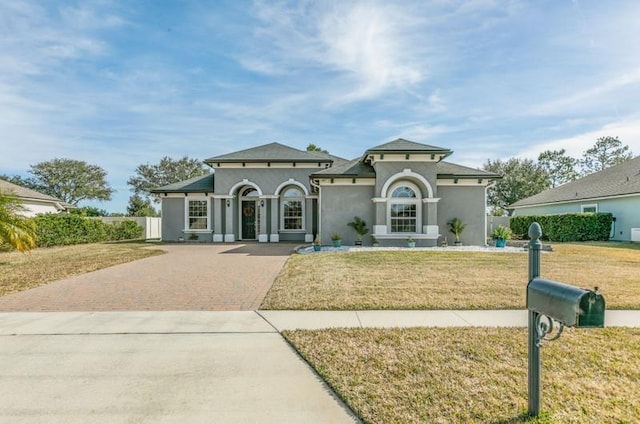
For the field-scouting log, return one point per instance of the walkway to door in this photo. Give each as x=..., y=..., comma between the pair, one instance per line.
x=194, y=277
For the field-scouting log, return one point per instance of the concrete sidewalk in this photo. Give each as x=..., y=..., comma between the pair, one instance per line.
x=312, y=320
x=156, y=367
x=180, y=366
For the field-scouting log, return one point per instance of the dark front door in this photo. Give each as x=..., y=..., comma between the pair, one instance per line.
x=248, y=219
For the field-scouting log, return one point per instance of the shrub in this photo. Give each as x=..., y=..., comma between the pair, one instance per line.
x=67, y=229
x=125, y=230
x=565, y=227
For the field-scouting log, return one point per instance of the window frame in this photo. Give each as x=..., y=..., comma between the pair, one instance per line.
x=588, y=206
x=187, y=216
x=302, y=199
x=416, y=201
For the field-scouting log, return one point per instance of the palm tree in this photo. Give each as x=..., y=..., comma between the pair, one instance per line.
x=15, y=230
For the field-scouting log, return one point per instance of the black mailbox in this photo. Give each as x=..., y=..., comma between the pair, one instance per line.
x=569, y=305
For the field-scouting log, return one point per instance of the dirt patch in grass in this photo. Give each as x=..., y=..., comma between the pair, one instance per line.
x=20, y=271
x=430, y=375
x=448, y=280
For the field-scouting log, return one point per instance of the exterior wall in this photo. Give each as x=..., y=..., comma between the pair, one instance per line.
x=34, y=207
x=469, y=205
x=624, y=209
x=267, y=179
x=339, y=205
x=384, y=170
x=172, y=218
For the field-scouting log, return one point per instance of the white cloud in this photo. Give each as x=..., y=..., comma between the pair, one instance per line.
x=628, y=131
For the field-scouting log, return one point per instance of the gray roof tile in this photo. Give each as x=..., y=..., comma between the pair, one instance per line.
x=402, y=145
x=352, y=168
x=199, y=184
x=619, y=180
x=273, y=152
x=26, y=193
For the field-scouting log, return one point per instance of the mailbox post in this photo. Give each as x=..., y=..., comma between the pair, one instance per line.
x=552, y=306
x=534, y=347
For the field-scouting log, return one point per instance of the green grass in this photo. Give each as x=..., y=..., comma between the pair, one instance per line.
x=459, y=375
x=22, y=271
x=450, y=279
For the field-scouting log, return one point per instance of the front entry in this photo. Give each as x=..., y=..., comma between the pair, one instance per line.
x=249, y=221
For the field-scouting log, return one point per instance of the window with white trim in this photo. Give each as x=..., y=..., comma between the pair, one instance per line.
x=589, y=208
x=197, y=214
x=292, y=207
x=404, y=208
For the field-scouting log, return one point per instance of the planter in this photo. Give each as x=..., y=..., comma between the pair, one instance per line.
x=358, y=243
x=501, y=242
x=337, y=243
x=457, y=243
x=411, y=244
x=317, y=247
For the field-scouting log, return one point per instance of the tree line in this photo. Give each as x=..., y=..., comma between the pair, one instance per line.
x=522, y=178
x=74, y=181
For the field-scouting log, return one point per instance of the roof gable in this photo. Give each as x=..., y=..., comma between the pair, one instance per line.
x=401, y=145
x=619, y=180
x=272, y=152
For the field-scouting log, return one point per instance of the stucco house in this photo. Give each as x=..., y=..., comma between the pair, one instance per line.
x=33, y=202
x=615, y=190
x=273, y=193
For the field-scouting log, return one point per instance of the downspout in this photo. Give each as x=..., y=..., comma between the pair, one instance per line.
x=486, y=188
x=313, y=184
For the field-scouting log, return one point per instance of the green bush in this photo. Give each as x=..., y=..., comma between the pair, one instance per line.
x=67, y=229
x=125, y=230
x=565, y=227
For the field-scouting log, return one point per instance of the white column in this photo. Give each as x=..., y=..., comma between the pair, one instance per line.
x=308, y=220
x=263, y=237
x=274, y=237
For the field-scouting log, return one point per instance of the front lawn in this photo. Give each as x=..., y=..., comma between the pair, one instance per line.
x=22, y=271
x=449, y=279
x=456, y=375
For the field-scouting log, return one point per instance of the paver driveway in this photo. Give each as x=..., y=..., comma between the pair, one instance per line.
x=188, y=277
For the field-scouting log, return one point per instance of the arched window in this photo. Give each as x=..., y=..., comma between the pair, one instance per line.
x=292, y=207
x=404, y=210
x=249, y=192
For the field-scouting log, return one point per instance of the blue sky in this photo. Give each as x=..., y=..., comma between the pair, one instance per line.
x=123, y=83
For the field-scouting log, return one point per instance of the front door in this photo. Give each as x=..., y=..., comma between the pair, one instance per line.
x=248, y=219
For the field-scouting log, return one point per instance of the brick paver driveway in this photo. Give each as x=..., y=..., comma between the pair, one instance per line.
x=188, y=277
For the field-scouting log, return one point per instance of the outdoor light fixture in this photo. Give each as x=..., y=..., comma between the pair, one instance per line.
x=262, y=203
x=228, y=202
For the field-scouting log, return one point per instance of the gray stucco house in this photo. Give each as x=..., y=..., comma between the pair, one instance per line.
x=615, y=190
x=275, y=193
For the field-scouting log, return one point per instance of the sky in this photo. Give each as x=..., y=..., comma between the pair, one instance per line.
x=124, y=83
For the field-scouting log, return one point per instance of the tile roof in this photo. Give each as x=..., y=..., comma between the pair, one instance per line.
x=356, y=168
x=273, y=152
x=26, y=193
x=619, y=180
x=199, y=184
x=352, y=168
x=402, y=145
x=454, y=170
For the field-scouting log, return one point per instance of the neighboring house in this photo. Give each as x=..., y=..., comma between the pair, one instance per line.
x=275, y=193
x=615, y=190
x=33, y=201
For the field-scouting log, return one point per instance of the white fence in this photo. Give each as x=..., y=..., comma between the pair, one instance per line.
x=152, y=226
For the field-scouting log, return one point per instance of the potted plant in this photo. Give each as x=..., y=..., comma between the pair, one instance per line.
x=456, y=227
x=317, y=243
x=411, y=242
x=336, y=239
x=501, y=234
x=360, y=227
x=375, y=242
